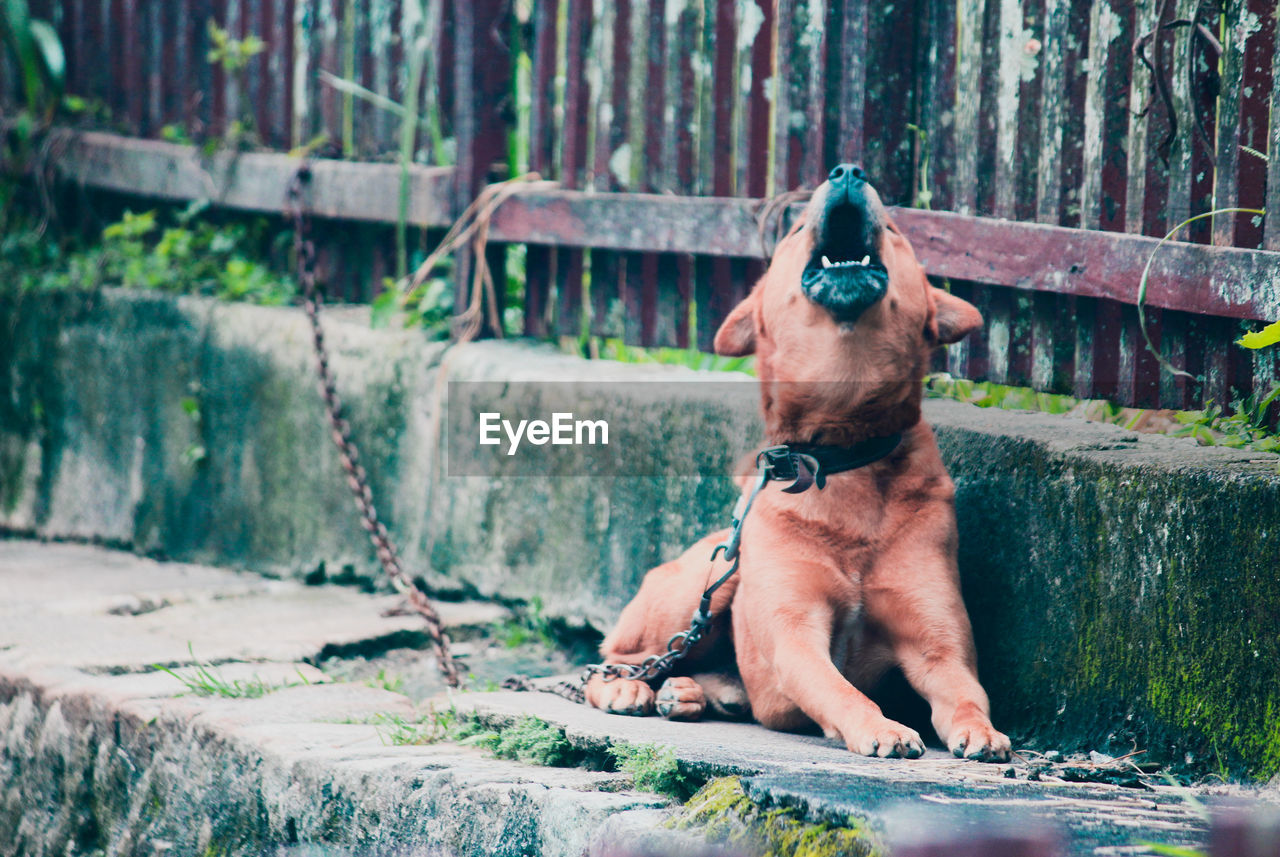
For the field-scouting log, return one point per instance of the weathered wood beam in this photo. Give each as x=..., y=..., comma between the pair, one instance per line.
x=253, y=181
x=1223, y=281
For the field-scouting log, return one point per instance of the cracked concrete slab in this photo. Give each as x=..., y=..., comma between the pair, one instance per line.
x=78, y=606
x=100, y=752
x=820, y=776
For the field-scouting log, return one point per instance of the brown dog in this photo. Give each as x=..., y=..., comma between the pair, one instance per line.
x=836, y=585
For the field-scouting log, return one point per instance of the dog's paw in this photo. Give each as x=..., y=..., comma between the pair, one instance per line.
x=885, y=738
x=979, y=741
x=681, y=698
x=620, y=696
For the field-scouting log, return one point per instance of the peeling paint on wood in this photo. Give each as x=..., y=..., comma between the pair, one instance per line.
x=969, y=15
x=1104, y=30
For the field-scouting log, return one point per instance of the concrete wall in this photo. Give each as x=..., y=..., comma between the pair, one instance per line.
x=1123, y=588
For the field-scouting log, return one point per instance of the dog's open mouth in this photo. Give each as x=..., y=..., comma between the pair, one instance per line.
x=845, y=275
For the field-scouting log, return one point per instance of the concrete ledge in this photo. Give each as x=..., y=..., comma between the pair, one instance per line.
x=102, y=754
x=1122, y=587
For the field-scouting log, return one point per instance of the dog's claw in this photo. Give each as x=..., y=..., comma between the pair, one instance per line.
x=886, y=740
x=621, y=696
x=981, y=743
x=681, y=698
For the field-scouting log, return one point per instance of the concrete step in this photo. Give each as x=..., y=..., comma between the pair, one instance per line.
x=99, y=751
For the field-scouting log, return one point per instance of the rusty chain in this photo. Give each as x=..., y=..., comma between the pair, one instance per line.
x=340, y=431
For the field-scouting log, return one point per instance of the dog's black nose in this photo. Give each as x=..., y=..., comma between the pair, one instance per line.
x=847, y=174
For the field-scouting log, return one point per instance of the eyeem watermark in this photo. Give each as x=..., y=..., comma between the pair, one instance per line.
x=563, y=430
x=540, y=429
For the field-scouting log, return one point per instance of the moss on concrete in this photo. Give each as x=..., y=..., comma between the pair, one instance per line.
x=653, y=768
x=1123, y=600
x=725, y=814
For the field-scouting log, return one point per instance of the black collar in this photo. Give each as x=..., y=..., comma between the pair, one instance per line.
x=806, y=464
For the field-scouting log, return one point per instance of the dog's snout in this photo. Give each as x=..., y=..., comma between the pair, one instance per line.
x=847, y=174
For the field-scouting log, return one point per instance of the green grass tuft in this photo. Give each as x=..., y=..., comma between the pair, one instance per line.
x=206, y=680
x=655, y=769
x=387, y=681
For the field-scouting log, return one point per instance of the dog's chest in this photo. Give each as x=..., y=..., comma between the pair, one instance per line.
x=848, y=636
x=857, y=650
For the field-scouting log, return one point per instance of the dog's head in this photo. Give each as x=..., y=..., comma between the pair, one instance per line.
x=843, y=321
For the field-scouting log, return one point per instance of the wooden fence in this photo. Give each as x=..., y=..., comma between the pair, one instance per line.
x=1044, y=138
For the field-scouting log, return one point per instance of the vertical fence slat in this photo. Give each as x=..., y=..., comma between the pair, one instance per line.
x=330, y=19
x=1085, y=313
x=1175, y=346
x=152, y=47
x=788, y=97
x=813, y=168
x=481, y=73
x=1049, y=168
x=264, y=75
x=1139, y=121
x=1255, y=87
x=300, y=72
x=539, y=260
x=97, y=63
x=1227, y=161
x=676, y=273
x=1105, y=31
x=1075, y=63
x=657, y=173
x=131, y=62
x=1139, y=372
x=852, y=90
x=757, y=184
x=967, y=104
x=570, y=263
x=1115, y=118
x=612, y=171
x=938, y=117
x=1271, y=237
x=252, y=110
x=1007, y=102
x=1207, y=97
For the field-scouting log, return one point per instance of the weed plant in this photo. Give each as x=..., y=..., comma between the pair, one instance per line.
x=206, y=680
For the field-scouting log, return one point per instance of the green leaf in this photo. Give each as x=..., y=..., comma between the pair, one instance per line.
x=1269, y=335
x=1173, y=850
x=383, y=308
x=45, y=39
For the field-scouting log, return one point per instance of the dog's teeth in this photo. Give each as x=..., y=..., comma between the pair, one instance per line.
x=866, y=260
x=826, y=263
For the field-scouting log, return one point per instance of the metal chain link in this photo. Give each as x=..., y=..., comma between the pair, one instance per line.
x=340, y=431
x=801, y=468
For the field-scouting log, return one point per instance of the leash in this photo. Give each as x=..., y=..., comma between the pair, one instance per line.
x=348, y=453
x=801, y=465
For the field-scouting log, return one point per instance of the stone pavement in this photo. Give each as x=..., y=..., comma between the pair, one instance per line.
x=101, y=752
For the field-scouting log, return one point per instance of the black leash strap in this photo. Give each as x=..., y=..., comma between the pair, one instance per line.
x=804, y=466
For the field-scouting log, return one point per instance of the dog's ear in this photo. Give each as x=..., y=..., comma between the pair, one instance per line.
x=953, y=318
x=737, y=336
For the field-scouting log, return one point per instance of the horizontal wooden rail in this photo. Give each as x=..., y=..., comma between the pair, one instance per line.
x=1221, y=281
x=254, y=181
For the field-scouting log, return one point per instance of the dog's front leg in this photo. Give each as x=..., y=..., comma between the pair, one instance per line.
x=920, y=607
x=788, y=666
